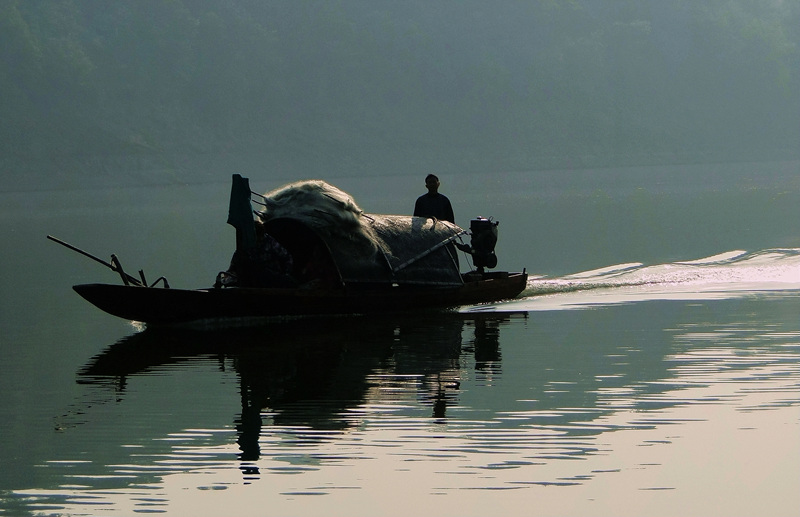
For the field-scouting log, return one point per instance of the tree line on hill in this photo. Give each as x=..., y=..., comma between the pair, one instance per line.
x=92, y=85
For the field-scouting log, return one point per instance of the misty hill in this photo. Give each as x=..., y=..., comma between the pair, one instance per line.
x=190, y=87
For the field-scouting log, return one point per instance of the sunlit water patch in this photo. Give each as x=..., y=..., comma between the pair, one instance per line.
x=732, y=274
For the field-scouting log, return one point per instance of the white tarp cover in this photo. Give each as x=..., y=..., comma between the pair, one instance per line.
x=369, y=248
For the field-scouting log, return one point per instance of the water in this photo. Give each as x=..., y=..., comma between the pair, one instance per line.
x=652, y=366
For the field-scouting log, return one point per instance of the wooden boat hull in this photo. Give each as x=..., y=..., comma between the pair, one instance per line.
x=160, y=306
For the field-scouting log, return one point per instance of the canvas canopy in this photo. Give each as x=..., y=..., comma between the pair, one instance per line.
x=365, y=248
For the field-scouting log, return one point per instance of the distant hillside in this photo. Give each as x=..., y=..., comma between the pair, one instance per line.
x=187, y=87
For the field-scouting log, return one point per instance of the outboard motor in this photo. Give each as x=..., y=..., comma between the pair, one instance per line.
x=482, y=243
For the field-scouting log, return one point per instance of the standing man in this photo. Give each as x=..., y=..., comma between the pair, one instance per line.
x=434, y=204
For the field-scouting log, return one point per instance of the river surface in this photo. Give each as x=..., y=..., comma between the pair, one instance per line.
x=651, y=367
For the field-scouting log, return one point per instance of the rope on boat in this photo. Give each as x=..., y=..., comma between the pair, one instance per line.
x=427, y=252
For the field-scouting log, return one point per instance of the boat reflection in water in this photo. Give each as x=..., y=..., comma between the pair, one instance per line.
x=315, y=373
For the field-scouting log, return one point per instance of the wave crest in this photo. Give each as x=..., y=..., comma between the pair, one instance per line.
x=725, y=275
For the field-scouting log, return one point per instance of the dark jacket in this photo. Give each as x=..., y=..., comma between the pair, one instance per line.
x=434, y=205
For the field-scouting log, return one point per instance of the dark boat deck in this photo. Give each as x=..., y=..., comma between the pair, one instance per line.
x=160, y=306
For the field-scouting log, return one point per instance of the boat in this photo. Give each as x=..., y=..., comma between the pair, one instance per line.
x=310, y=251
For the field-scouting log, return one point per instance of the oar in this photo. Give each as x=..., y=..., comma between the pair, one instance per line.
x=115, y=267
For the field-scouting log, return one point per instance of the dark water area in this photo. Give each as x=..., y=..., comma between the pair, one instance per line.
x=652, y=367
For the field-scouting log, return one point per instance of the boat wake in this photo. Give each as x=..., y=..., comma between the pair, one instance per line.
x=727, y=275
